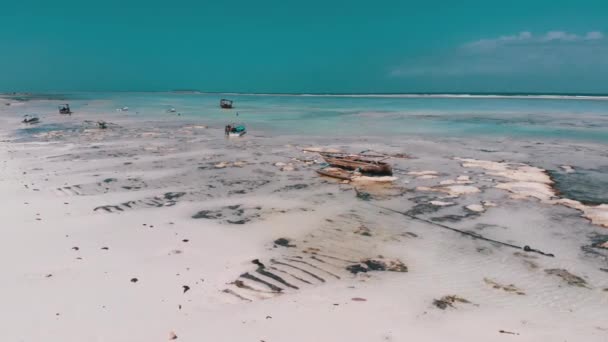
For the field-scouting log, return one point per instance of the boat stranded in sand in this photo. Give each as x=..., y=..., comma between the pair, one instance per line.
x=354, y=162
x=353, y=176
x=356, y=167
x=30, y=119
x=235, y=130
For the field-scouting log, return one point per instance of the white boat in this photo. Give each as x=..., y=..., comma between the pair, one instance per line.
x=30, y=119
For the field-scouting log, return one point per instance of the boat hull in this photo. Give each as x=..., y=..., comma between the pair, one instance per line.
x=358, y=163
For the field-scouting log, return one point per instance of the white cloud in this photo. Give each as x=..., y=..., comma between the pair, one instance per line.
x=526, y=37
x=559, y=35
x=551, y=53
x=594, y=35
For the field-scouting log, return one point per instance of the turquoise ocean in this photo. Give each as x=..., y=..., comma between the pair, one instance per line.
x=580, y=118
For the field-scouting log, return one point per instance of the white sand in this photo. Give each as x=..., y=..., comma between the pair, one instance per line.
x=60, y=283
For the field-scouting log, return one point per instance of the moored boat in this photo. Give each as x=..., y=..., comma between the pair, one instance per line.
x=359, y=163
x=65, y=109
x=225, y=103
x=235, y=130
x=30, y=119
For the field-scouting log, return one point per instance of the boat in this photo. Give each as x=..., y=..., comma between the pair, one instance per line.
x=353, y=176
x=65, y=109
x=30, y=119
x=336, y=172
x=359, y=163
x=235, y=130
x=225, y=104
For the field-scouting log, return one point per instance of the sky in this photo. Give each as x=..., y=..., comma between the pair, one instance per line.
x=313, y=46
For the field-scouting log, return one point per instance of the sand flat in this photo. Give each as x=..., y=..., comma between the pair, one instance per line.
x=103, y=230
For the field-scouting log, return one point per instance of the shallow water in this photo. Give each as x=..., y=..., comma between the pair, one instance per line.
x=589, y=186
x=536, y=118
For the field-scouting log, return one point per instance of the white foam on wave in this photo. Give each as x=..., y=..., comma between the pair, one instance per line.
x=449, y=96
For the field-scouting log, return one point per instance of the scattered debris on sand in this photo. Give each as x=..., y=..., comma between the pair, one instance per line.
x=363, y=230
x=449, y=301
x=377, y=264
x=222, y=165
x=283, y=242
x=507, y=288
x=568, y=277
x=507, y=332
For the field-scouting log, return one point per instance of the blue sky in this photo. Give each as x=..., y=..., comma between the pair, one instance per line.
x=305, y=46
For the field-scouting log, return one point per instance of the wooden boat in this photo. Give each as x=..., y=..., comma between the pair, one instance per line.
x=353, y=176
x=336, y=172
x=225, y=104
x=235, y=130
x=360, y=163
x=29, y=119
x=65, y=109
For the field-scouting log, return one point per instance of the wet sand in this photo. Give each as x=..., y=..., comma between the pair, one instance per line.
x=164, y=229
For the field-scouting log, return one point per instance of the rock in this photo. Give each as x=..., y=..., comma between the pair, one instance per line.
x=134, y=280
x=172, y=336
x=441, y=203
x=283, y=242
x=489, y=204
x=185, y=288
x=368, y=265
x=280, y=164
x=478, y=208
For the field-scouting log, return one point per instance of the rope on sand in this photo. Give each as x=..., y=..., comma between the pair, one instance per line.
x=525, y=248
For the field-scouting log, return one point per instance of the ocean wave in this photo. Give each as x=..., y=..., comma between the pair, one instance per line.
x=449, y=96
